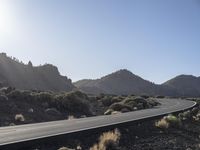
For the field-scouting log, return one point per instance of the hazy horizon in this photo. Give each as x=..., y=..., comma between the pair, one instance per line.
x=88, y=39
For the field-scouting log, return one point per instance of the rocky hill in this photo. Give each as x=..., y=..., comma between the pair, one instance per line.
x=123, y=82
x=17, y=74
x=186, y=85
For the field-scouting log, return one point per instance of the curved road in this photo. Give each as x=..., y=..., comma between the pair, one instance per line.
x=22, y=133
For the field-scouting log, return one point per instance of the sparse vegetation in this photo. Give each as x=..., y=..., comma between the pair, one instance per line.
x=173, y=120
x=119, y=107
x=168, y=121
x=109, y=100
x=19, y=118
x=108, y=112
x=108, y=141
x=131, y=103
x=71, y=117
x=163, y=124
x=39, y=106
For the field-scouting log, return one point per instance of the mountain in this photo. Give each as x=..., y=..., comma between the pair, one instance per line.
x=186, y=85
x=46, y=77
x=122, y=82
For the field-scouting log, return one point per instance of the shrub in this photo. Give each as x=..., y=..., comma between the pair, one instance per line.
x=116, y=106
x=152, y=102
x=7, y=90
x=145, y=96
x=78, y=94
x=168, y=121
x=119, y=106
x=20, y=95
x=45, y=97
x=163, y=124
x=130, y=102
x=108, y=141
x=160, y=96
x=73, y=102
x=106, y=100
x=78, y=147
x=19, y=117
x=173, y=120
x=140, y=106
x=141, y=101
x=196, y=117
x=16, y=94
x=71, y=117
x=108, y=112
x=185, y=115
x=116, y=99
x=109, y=100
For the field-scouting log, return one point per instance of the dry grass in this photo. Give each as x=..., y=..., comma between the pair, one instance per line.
x=78, y=147
x=108, y=140
x=71, y=117
x=163, y=124
x=115, y=112
x=168, y=121
x=19, y=117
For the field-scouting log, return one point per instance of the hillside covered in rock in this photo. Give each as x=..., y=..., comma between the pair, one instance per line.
x=19, y=75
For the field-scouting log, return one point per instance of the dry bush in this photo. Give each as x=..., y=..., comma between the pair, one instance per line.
x=163, y=124
x=19, y=117
x=78, y=147
x=168, y=121
x=173, y=120
x=119, y=107
x=108, y=141
x=115, y=112
x=71, y=117
x=108, y=112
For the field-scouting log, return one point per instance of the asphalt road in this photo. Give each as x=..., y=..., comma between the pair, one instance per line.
x=17, y=134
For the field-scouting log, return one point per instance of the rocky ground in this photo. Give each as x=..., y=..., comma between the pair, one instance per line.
x=182, y=133
x=177, y=132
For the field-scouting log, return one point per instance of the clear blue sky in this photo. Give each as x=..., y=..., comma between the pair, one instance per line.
x=154, y=39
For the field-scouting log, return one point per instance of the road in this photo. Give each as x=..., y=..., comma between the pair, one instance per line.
x=22, y=133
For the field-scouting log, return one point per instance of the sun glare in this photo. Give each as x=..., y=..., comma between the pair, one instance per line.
x=6, y=22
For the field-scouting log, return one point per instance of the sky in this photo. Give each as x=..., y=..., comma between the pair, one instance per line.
x=155, y=39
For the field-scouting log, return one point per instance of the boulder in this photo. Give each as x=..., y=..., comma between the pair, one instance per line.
x=52, y=111
x=3, y=98
x=31, y=110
